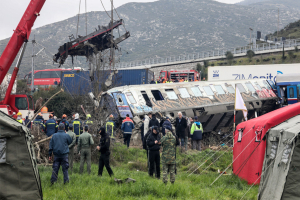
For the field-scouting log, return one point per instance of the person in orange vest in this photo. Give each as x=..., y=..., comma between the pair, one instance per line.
x=181, y=80
x=44, y=109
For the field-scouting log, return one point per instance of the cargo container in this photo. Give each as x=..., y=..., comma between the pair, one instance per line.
x=79, y=83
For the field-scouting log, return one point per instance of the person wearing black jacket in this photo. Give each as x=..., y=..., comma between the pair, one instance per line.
x=142, y=130
x=180, y=126
x=154, y=122
x=153, y=144
x=104, y=152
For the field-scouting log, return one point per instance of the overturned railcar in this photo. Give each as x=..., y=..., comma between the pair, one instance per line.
x=212, y=102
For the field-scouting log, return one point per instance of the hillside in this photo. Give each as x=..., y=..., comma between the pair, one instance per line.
x=167, y=27
x=291, y=31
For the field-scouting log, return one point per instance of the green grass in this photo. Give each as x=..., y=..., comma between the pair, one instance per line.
x=275, y=58
x=193, y=187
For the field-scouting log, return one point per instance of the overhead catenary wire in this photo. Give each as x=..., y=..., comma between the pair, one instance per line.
x=239, y=170
x=78, y=19
x=104, y=9
x=222, y=141
x=217, y=159
x=214, y=154
x=233, y=161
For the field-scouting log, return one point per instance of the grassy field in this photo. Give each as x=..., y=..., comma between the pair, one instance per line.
x=132, y=163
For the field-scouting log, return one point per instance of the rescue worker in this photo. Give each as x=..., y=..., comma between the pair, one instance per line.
x=50, y=127
x=103, y=148
x=196, y=134
x=110, y=127
x=65, y=122
x=190, y=122
x=146, y=148
x=71, y=146
x=154, y=121
x=77, y=126
x=163, y=81
x=85, y=141
x=19, y=118
x=176, y=80
x=181, y=80
x=186, y=80
x=152, y=81
x=59, y=146
x=127, y=127
x=146, y=122
x=88, y=120
x=153, y=144
x=168, y=158
x=14, y=115
x=27, y=121
x=157, y=81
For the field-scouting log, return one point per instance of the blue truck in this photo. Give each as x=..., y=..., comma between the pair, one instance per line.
x=77, y=82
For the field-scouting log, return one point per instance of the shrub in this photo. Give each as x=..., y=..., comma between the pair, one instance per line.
x=296, y=49
x=291, y=54
x=229, y=57
x=257, y=60
x=273, y=58
x=250, y=54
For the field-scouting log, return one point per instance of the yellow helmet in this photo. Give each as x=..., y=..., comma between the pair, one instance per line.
x=19, y=113
x=88, y=115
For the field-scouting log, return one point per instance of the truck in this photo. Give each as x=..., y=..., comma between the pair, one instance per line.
x=18, y=41
x=77, y=82
x=222, y=73
x=4, y=85
x=191, y=75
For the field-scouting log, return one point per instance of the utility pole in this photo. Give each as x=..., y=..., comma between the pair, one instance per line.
x=250, y=36
x=278, y=24
x=112, y=56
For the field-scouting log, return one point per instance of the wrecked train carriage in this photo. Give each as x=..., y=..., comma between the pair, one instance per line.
x=212, y=102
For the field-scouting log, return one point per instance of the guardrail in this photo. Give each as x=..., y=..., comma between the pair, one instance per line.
x=209, y=55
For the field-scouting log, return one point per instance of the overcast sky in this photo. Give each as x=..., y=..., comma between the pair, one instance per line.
x=11, y=11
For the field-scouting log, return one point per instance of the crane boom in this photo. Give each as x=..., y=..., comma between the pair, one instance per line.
x=20, y=35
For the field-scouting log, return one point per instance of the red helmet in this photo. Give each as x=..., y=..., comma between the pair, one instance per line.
x=64, y=116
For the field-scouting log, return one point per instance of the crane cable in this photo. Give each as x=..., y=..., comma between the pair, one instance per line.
x=105, y=9
x=78, y=19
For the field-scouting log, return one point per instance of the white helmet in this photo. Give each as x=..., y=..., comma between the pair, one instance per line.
x=76, y=116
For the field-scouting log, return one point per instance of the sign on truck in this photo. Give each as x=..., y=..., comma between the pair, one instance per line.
x=269, y=72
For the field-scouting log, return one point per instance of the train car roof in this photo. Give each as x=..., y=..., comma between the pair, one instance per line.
x=288, y=79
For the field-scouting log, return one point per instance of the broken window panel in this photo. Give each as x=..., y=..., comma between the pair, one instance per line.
x=184, y=93
x=157, y=95
x=219, y=89
x=196, y=91
x=171, y=94
x=130, y=97
x=3, y=150
x=208, y=91
x=258, y=86
x=148, y=102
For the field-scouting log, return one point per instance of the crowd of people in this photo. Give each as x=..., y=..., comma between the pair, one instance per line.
x=157, y=136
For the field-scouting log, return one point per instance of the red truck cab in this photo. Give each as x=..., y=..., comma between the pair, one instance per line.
x=191, y=75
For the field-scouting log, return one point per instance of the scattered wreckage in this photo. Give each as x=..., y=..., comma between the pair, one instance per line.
x=212, y=102
x=90, y=44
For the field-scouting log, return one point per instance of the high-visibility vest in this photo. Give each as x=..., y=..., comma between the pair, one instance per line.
x=167, y=82
x=20, y=121
x=186, y=81
x=109, y=127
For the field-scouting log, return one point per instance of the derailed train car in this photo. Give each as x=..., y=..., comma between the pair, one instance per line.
x=212, y=102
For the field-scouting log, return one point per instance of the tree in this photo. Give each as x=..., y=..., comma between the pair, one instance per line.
x=250, y=54
x=203, y=70
x=22, y=87
x=229, y=57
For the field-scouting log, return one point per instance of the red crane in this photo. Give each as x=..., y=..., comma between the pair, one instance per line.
x=18, y=103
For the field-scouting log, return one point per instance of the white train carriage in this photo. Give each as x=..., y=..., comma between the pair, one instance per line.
x=212, y=102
